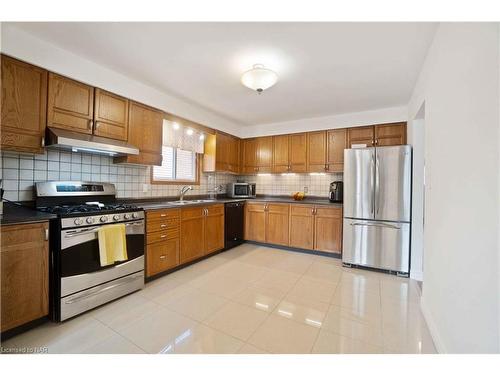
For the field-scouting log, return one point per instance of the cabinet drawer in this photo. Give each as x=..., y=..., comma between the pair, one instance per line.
x=162, y=256
x=335, y=212
x=162, y=235
x=255, y=206
x=192, y=212
x=278, y=208
x=170, y=213
x=216, y=209
x=302, y=209
x=159, y=225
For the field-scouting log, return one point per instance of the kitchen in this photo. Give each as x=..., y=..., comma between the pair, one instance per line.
x=141, y=229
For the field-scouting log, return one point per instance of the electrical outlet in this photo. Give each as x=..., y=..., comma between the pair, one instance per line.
x=306, y=189
x=145, y=188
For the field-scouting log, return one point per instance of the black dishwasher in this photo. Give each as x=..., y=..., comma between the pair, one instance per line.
x=233, y=226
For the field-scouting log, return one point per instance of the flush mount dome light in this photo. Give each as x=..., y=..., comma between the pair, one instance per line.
x=259, y=78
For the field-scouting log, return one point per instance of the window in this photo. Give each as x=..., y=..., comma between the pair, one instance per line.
x=177, y=166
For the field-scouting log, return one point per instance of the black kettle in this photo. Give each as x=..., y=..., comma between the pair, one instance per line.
x=336, y=192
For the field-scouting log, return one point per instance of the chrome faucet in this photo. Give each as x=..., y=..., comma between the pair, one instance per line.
x=184, y=190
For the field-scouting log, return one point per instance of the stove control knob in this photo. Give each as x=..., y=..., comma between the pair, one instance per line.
x=116, y=217
x=78, y=221
x=135, y=215
x=103, y=219
x=126, y=216
x=90, y=220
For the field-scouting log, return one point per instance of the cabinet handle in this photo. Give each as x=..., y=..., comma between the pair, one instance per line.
x=163, y=256
x=90, y=124
x=43, y=142
x=96, y=125
x=163, y=236
x=376, y=141
x=163, y=215
x=163, y=225
x=46, y=234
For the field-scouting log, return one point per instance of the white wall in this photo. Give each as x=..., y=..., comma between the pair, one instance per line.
x=24, y=46
x=378, y=116
x=459, y=84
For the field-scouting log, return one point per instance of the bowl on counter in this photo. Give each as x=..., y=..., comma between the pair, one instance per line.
x=299, y=195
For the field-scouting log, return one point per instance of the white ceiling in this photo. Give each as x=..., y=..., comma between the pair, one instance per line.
x=324, y=68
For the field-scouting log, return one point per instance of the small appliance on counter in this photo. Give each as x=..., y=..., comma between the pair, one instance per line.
x=336, y=192
x=242, y=190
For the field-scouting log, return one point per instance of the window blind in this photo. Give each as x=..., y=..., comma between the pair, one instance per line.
x=177, y=164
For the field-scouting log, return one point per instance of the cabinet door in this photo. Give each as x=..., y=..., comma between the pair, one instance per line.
x=192, y=233
x=24, y=106
x=364, y=135
x=162, y=256
x=249, y=155
x=328, y=229
x=302, y=226
x=336, y=143
x=281, y=148
x=221, y=152
x=214, y=228
x=255, y=222
x=70, y=104
x=110, y=115
x=24, y=274
x=316, y=151
x=265, y=154
x=234, y=155
x=390, y=134
x=145, y=133
x=298, y=152
x=278, y=224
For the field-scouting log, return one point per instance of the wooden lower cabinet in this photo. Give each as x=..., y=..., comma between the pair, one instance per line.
x=162, y=240
x=328, y=229
x=202, y=231
x=255, y=222
x=24, y=274
x=302, y=226
x=278, y=224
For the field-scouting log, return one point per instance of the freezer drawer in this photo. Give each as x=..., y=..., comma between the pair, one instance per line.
x=377, y=244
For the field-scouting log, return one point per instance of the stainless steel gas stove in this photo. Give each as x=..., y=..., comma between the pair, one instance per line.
x=78, y=281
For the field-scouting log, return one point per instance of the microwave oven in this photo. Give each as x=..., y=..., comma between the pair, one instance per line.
x=242, y=190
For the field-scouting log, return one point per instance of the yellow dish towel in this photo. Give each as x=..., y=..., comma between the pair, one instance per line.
x=112, y=244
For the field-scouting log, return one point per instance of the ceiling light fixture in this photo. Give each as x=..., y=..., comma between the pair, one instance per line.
x=259, y=78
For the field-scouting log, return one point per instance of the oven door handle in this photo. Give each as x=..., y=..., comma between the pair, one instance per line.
x=91, y=294
x=83, y=231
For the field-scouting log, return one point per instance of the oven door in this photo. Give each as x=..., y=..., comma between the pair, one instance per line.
x=80, y=265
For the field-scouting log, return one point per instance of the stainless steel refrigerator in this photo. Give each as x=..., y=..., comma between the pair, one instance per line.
x=377, y=203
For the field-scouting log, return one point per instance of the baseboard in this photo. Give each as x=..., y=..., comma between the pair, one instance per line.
x=417, y=275
x=434, y=331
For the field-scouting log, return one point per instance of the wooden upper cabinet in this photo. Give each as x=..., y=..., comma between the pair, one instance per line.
x=281, y=159
x=24, y=263
x=390, y=134
x=144, y=132
x=249, y=155
x=328, y=229
x=265, y=154
x=110, y=115
x=298, y=152
x=336, y=143
x=364, y=135
x=316, y=151
x=70, y=104
x=24, y=106
x=222, y=153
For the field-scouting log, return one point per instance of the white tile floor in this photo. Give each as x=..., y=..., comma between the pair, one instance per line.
x=251, y=299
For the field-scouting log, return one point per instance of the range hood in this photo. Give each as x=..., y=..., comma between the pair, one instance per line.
x=71, y=141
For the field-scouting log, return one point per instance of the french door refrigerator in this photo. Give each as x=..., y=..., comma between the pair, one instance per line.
x=377, y=202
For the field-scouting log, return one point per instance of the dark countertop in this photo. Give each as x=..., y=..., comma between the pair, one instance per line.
x=158, y=204
x=14, y=214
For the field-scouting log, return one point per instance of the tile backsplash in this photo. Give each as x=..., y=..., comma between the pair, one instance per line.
x=20, y=171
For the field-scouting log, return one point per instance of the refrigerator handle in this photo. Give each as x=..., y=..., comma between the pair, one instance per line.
x=377, y=183
x=372, y=174
x=384, y=225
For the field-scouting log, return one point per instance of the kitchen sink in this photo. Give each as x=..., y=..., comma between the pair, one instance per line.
x=188, y=202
